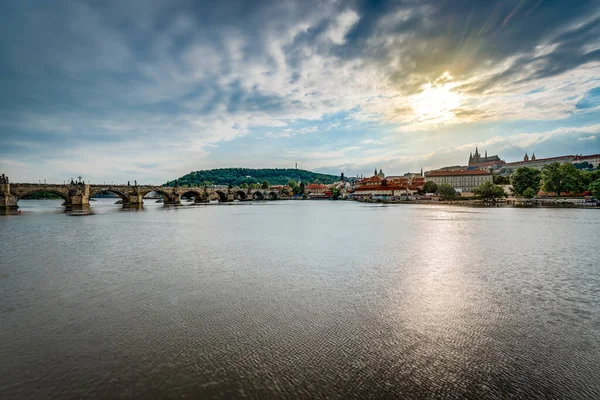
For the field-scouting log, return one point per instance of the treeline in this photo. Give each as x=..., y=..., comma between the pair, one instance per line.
x=555, y=178
x=248, y=176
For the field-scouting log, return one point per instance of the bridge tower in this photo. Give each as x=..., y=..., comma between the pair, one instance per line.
x=7, y=200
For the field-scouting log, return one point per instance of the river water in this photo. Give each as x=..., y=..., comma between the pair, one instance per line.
x=299, y=299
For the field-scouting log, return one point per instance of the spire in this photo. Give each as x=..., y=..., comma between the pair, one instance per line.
x=421, y=172
x=486, y=154
x=375, y=173
x=532, y=156
x=526, y=158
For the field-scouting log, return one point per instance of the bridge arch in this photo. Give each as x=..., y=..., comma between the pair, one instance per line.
x=119, y=193
x=219, y=195
x=240, y=195
x=167, y=196
x=196, y=194
x=258, y=195
x=22, y=195
x=273, y=195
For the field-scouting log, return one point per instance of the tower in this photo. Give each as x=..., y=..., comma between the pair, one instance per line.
x=532, y=156
x=375, y=173
x=486, y=154
x=526, y=158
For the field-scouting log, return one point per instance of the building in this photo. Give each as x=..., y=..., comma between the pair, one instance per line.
x=316, y=188
x=392, y=186
x=462, y=181
x=380, y=174
x=538, y=163
x=593, y=159
x=476, y=160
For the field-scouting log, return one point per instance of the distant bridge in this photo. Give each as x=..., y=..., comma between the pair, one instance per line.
x=79, y=194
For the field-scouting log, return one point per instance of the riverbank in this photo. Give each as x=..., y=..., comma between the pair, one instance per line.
x=517, y=203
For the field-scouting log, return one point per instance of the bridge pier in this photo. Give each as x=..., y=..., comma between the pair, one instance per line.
x=80, y=197
x=135, y=200
x=7, y=200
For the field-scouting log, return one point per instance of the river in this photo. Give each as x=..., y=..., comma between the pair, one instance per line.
x=299, y=299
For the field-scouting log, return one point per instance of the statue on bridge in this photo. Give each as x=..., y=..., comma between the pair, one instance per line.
x=3, y=179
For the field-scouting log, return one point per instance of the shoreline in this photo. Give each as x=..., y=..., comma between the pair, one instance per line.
x=480, y=204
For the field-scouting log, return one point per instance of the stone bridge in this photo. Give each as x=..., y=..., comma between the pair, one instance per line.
x=79, y=194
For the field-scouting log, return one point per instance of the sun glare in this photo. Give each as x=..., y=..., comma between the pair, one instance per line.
x=436, y=102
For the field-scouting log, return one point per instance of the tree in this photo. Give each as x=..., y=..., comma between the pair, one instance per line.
x=529, y=193
x=501, y=180
x=526, y=178
x=583, y=165
x=285, y=191
x=265, y=185
x=488, y=191
x=244, y=186
x=335, y=193
x=595, y=188
x=560, y=178
x=430, y=187
x=446, y=191
x=301, y=188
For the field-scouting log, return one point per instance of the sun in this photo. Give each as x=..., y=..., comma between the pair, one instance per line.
x=436, y=101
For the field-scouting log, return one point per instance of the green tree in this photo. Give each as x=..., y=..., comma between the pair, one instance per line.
x=529, y=193
x=244, y=186
x=446, y=191
x=501, y=180
x=301, y=187
x=265, y=185
x=207, y=183
x=595, y=188
x=335, y=193
x=285, y=191
x=430, y=187
x=525, y=178
x=560, y=178
x=488, y=191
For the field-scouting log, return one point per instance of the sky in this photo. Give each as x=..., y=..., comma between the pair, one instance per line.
x=150, y=90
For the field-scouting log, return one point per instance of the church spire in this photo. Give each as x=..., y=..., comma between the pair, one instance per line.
x=375, y=173
x=532, y=156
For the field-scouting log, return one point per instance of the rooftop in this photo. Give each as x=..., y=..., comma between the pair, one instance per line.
x=458, y=173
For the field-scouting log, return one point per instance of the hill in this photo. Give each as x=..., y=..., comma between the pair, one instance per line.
x=238, y=176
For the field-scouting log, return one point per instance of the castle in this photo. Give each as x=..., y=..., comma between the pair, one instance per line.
x=476, y=160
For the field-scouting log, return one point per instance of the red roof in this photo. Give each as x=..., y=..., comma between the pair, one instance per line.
x=388, y=187
x=458, y=173
x=316, y=186
x=373, y=179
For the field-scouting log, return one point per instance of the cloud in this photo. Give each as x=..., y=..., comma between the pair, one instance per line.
x=592, y=137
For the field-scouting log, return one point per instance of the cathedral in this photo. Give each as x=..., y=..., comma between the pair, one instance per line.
x=476, y=159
